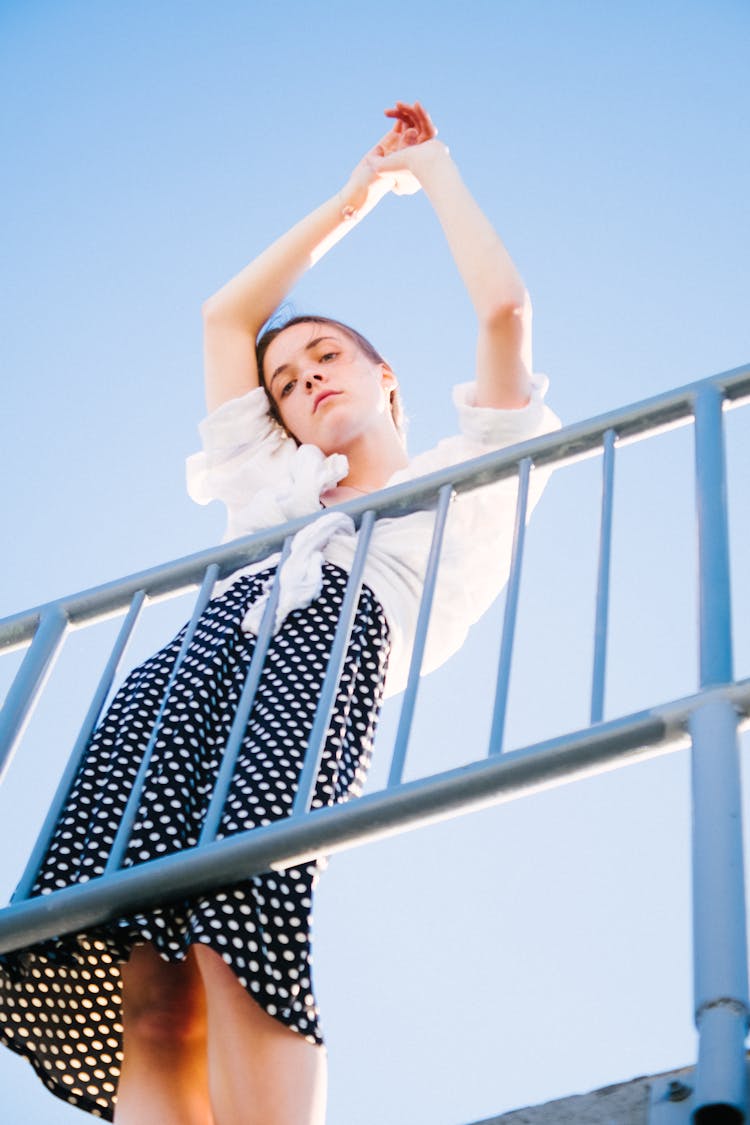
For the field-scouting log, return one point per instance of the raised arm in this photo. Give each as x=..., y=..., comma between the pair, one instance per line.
x=493, y=283
x=233, y=317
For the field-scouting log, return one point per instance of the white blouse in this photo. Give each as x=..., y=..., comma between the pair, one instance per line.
x=264, y=478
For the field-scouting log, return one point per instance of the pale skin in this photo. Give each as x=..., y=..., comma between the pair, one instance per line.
x=198, y=1049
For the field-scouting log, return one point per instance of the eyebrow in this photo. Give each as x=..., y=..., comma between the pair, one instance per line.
x=308, y=347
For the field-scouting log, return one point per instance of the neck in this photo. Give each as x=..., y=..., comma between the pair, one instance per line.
x=373, y=459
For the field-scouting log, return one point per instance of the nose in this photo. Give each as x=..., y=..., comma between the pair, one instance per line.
x=312, y=378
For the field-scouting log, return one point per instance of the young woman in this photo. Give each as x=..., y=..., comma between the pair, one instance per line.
x=203, y=1012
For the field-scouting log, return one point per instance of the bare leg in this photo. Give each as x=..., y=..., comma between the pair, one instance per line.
x=260, y=1072
x=165, y=1072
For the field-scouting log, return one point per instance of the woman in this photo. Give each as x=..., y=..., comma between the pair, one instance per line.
x=203, y=1013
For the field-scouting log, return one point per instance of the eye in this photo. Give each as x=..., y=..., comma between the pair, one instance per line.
x=328, y=356
x=287, y=388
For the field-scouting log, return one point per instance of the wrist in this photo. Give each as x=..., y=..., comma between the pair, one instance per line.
x=347, y=202
x=435, y=165
x=356, y=197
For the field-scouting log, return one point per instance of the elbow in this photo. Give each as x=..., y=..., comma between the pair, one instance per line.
x=506, y=312
x=211, y=310
x=220, y=315
x=221, y=310
x=504, y=320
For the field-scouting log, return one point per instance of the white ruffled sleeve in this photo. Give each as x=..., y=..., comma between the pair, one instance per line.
x=484, y=429
x=242, y=448
x=497, y=428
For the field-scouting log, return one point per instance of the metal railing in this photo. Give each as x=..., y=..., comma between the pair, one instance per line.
x=709, y=720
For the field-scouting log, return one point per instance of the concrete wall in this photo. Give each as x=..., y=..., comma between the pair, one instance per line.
x=624, y=1104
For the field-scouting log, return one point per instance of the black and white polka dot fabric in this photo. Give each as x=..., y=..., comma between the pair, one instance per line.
x=60, y=1003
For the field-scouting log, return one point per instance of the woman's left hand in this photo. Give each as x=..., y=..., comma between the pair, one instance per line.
x=384, y=168
x=397, y=159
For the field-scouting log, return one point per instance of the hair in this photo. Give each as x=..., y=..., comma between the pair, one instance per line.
x=266, y=339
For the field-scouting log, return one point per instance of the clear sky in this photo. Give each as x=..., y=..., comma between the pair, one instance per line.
x=151, y=149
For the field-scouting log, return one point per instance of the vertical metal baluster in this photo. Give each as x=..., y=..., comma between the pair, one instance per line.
x=722, y=1004
x=511, y=609
x=316, y=742
x=23, y=890
x=122, y=837
x=420, y=637
x=713, y=541
x=602, y=584
x=29, y=681
x=244, y=707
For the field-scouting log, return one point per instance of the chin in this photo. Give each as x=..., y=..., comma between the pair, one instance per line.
x=333, y=438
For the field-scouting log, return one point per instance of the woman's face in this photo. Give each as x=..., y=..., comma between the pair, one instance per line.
x=327, y=392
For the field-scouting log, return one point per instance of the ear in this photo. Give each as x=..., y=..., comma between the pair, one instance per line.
x=388, y=378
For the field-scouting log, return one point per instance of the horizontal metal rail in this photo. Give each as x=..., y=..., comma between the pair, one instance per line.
x=492, y=781
x=576, y=441
x=294, y=840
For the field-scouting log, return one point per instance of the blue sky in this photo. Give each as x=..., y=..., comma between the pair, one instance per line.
x=150, y=150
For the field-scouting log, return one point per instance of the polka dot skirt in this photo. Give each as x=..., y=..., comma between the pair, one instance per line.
x=60, y=1002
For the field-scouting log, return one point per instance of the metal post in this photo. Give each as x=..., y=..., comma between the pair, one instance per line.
x=719, y=924
x=602, y=585
x=232, y=749
x=23, y=890
x=122, y=838
x=420, y=637
x=715, y=604
x=719, y=937
x=29, y=681
x=511, y=609
x=316, y=742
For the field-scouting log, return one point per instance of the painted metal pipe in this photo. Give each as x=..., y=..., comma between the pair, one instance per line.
x=720, y=1095
x=29, y=681
x=23, y=890
x=719, y=926
x=497, y=730
x=722, y=1004
x=602, y=582
x=420, y=637
x=581, y=439
x=122, y=837
x=325, y=831
x=316, y=743
x=215, y=809
x=713, y=541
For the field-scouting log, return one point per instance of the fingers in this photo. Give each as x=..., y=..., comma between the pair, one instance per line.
x=403, y=114
x=391, y=141
x=427, y=128
x=413, y=117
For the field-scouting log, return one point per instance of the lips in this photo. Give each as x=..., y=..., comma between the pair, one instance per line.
x=322, y=397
